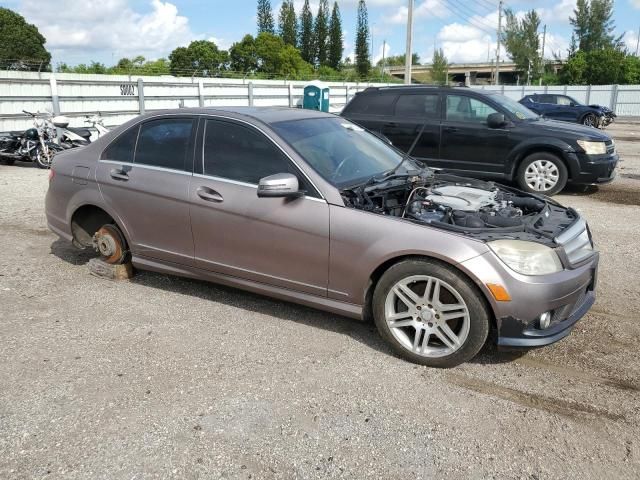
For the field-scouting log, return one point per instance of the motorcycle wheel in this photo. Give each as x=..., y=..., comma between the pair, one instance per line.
x=42, y=160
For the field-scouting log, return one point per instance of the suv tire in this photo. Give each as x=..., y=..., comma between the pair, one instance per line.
x=431, y=331
x=543, y=173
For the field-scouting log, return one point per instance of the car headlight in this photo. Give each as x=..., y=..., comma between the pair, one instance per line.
x=527, y=258
x=593, y=148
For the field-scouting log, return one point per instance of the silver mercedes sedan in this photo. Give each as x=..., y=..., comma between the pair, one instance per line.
x=310, y=208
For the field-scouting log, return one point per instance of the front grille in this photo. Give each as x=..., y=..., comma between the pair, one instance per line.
x=611, y=146
x=576, y=242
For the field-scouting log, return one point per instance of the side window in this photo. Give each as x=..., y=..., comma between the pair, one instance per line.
x=461, y=108
x=122, y=148
x=372, y=104
x=417, y=106
x=562, y=100
x=243, y=154
x=164, y=143
x=551, y=99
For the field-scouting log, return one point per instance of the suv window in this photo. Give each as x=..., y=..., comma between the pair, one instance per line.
x=245, y=155
x=164, y=143
x=547, y=99
x=122, y=148
x=562, y=100
x=372, y=104
x=461, y=108
x=417, y=106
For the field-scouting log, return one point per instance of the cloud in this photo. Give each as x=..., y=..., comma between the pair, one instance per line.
x=635, y=3
x=109, y=26
x=426, y=9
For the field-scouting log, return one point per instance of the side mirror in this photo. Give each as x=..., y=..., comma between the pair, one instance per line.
x=496, y=120
x=283, y=185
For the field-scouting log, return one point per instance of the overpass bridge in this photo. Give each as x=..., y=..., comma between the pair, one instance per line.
x=470, y=73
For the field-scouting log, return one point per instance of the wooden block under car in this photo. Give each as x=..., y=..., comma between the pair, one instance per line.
x=102, y=269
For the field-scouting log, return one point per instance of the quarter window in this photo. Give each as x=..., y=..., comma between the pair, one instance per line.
x=122, y=148
x=417, y=106
x=164, y=143
x=243, y=154
x=466, y=109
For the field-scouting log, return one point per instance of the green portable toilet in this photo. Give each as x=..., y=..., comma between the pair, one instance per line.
x=316, y=97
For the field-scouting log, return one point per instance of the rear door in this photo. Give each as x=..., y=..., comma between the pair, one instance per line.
x=276, y=241
x=411, y=111
x=372, y=110
x=144, y=177
x=467, y=143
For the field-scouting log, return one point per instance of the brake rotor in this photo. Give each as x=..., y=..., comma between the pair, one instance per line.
x=109, y=242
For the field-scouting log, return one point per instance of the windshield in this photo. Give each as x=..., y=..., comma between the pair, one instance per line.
x=342, y=152
x=517, y=109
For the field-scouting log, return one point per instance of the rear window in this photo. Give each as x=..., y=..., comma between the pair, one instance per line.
x=371, y=104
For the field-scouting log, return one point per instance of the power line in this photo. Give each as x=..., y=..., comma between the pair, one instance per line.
x=467, y=19
x=479, y=14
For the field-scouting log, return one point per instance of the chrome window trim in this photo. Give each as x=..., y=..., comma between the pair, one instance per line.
x=245, y=184
x=269, y=137
x=148, y=167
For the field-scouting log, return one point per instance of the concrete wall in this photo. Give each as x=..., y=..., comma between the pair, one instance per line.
x=120, y=97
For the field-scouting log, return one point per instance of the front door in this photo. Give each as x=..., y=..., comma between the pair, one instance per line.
x=276, y=241
x=144, y=177
x=467, y=143
x=411, y=113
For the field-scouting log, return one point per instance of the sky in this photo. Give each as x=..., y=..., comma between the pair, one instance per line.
x=79, y=31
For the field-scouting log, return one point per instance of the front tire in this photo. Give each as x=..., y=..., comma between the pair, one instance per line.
x=542, y=172
x=590, y=120
x=42, y=160
x=430, y=314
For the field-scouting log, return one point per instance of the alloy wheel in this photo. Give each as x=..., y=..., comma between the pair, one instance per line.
x=589, y=120
x=427, y=316
x=542, y=175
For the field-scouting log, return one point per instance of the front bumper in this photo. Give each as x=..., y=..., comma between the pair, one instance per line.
x=590, y=169
x=567, y=295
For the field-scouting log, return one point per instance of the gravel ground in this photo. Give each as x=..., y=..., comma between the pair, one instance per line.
x=162, y=377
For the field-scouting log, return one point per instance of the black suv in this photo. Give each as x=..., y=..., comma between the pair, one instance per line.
x=484, y=134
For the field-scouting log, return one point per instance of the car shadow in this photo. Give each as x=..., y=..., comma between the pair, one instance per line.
x=363, y=332
x=19, y=164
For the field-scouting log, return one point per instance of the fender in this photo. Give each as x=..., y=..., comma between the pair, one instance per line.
x=562, y=148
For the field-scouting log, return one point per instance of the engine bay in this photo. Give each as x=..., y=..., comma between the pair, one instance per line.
x=481, y=209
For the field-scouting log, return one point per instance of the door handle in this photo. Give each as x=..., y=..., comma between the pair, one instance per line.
x=391, y=125
x=119, y=175
x=209, y=195
x=450, y=129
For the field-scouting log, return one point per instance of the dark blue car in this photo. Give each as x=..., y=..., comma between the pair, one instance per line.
x=567, y=109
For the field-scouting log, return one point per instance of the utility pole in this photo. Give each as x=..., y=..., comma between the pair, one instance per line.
x=408, y=59
x=544, y=38
x=638, y=42
x=488, y=51
x=497, y=79
x=384, y=47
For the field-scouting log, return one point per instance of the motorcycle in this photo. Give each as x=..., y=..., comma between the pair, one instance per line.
x=98, y=123
x=33, y=145
x=70, y=137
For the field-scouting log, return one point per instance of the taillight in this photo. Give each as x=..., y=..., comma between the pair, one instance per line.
x=52, y=174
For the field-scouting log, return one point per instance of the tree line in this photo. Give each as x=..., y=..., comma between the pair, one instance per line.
x=596, y=56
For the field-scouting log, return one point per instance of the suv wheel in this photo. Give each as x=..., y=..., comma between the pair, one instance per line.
x=430, y=314
x=542, y=172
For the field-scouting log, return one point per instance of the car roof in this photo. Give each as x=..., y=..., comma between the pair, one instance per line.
x=413, y=88
x=267, y=115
